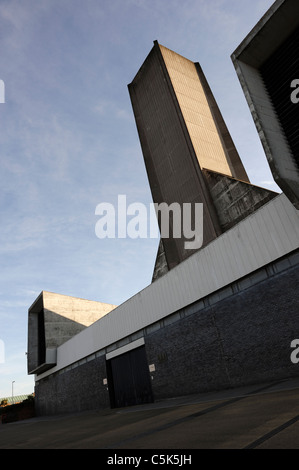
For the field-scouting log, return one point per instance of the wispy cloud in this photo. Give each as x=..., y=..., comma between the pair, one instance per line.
x=111, y=108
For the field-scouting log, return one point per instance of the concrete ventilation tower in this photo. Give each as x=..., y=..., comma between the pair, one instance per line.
x=188, y=151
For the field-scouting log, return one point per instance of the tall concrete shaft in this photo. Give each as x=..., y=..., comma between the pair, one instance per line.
x=182, y=134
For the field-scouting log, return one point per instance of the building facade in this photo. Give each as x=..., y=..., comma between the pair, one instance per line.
x=220, y=317
x=225, y=317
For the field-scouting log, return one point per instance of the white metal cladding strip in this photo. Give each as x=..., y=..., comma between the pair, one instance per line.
x=266, y=235
x=128, y=347
x=252, y=256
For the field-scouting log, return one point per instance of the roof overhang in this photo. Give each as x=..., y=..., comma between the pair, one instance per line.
x=270, y=33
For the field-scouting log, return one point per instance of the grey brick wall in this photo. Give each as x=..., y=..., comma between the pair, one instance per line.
x=243, y=339
x=238, y=336
x=78, y=389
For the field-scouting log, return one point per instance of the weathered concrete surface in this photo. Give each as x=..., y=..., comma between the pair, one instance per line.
x=234, y=200
x=269, y=36
x=54, y=318
x=265, y=417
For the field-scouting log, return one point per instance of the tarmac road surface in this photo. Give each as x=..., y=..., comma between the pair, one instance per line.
x=254, y=417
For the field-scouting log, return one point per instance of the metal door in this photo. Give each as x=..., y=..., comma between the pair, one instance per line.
x=129, y=379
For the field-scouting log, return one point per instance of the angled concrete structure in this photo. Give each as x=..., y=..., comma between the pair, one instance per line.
x=267, y=65
x=53, y=319
x=185, y=141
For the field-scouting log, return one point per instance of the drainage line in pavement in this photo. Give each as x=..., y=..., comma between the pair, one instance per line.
x=272, y=433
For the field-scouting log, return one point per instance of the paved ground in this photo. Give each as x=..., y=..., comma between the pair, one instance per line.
x=257, y=417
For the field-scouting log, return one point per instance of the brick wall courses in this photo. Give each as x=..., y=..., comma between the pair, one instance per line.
x=243, y=339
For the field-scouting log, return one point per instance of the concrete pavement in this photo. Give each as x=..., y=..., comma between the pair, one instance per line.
x=256, y=417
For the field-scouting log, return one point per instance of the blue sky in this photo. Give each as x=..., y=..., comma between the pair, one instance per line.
x=68, y=142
